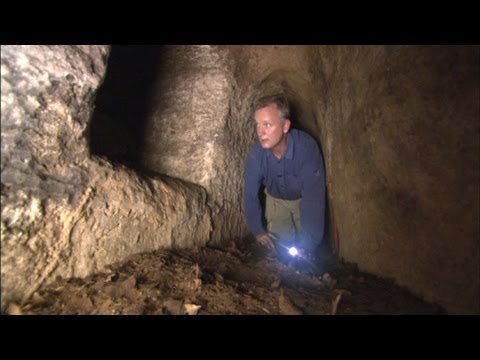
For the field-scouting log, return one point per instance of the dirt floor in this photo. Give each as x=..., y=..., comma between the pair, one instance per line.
x=231, y=281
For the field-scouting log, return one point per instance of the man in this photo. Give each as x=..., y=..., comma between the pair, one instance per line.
x=288, y=162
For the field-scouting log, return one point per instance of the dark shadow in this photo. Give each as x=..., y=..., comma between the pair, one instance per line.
x=122, y=103
x=327, y=244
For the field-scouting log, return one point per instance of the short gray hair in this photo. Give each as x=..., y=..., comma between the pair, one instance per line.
x=281, y=101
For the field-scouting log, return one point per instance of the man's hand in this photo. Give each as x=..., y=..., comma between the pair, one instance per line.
x=266, y=239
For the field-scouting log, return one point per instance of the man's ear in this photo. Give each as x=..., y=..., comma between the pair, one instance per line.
x=286, y=125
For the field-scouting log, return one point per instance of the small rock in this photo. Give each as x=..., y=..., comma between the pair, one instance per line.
x=14, y=309
x=276, y=283
x=38, y=299
x=219, y=278
x=191, y=309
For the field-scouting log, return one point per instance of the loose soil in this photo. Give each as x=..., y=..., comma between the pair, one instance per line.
x=235, y=280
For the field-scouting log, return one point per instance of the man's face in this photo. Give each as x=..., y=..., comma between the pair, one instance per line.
x=270, y=130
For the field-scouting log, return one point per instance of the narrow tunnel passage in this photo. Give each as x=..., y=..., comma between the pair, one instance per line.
x=125, y=101
x=237, y=279
x=83, y=235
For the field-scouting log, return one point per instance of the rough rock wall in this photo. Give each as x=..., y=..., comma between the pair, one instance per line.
x=187, y=133
x=400, y=130
x=64, y=213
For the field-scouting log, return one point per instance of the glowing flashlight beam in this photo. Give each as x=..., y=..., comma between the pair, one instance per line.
x=293, y=251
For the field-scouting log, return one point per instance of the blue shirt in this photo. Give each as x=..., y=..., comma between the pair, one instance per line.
x=298, y=174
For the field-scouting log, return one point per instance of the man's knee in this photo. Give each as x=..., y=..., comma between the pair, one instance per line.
x=282, y=231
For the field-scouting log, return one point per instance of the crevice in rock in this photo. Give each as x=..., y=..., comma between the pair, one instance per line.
x=122, y=103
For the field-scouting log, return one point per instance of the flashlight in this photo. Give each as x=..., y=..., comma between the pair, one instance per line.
x=293, y=251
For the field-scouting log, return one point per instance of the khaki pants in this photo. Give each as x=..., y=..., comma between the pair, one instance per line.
x=283, y=218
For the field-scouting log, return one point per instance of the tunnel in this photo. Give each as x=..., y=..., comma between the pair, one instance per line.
x=118, y=161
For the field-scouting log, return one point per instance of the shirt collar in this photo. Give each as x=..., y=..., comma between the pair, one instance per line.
x=289, y=150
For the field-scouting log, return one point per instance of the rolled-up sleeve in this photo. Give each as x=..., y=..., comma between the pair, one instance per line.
x=253, y=181
x=312, y=205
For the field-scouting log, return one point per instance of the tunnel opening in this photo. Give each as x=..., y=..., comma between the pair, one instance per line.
x=122, y=104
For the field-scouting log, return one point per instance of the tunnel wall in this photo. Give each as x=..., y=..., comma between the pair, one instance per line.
x=400, y=129
x=191, y=135
x=66, y=213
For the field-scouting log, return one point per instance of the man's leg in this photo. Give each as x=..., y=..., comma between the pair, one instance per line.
x=280, y=223
x=305, y=244
x=295, y=211
x=279, y=219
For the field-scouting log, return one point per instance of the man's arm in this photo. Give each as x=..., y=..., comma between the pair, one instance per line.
x=312, y=205
x=253, y=180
